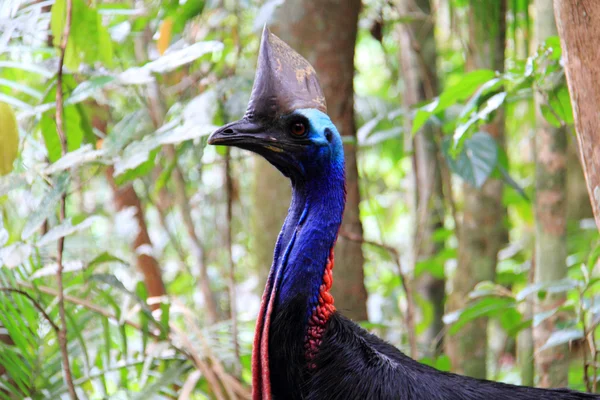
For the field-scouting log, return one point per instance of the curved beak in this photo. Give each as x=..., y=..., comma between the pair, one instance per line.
x=240, y=133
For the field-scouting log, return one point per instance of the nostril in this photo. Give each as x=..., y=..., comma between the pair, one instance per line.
x=228, y=131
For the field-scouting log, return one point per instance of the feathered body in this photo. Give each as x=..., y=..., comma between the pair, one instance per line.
x=303, y=348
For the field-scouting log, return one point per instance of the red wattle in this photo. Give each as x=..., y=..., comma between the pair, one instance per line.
x=320, y=315
x=261, y=383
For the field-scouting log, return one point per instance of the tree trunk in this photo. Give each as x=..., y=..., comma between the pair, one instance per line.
x=418, y=61
x=552, y=365
x=324, y=31
x=579, y=28
x=271, y=196
x=482, y=230
x=124, y=197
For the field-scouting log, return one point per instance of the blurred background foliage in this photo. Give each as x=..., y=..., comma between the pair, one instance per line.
x=167, y=242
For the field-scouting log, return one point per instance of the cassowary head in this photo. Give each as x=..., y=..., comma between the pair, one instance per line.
x=286, y=121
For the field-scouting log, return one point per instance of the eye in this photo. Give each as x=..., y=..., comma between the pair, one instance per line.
x=298, y=128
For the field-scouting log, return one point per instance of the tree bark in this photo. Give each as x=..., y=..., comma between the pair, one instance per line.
x=324, y=31
x=271, y=196
x=579, y=28
x=482, y=230
x=552, y=365
x=418, y=55
x=124, y=197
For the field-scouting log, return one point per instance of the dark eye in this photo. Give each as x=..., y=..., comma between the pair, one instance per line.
x=298, y=128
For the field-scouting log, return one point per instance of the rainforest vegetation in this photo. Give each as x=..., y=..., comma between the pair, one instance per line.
x=133, y=256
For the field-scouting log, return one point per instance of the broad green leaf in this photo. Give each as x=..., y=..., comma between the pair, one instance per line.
x=77, y=126
x=488, y=306
x=129, y=174
x=66, y=228
x=491, y=105
x=106, y=258
x=559, y=286
x=550, y=115
x=9, y=138
x=464, y=88
x=85, y=154
x=86, y=89
x=47, y=205
x=560, y=102
x=91, y=43
x=476, y=160
x=129, y=128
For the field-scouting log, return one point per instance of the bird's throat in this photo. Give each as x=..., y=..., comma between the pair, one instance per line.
x=301, y=274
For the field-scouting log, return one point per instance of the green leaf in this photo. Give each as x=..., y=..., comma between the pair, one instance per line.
x=166, y=378
x=87, y=89
x=550, y=115
x=488, y=306
x=129, y=174
x=47, y=206
x=477, y=159
x=89, y=40
x=106, y=258
x=560, y=102
x=561, y=337
x=464, y=88
x=164, y=319
x=9, y=138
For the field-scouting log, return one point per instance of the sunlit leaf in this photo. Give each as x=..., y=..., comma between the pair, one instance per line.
x=168, y=62
x=47, y=206
x=562, y=336
x=86, y=89
x=66, y=228
x=15, y=254
x=92, y=42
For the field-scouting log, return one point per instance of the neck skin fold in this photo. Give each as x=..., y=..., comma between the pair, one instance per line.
x=302, y=252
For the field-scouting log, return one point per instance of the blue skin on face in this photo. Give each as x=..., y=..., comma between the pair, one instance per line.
x=327, y=154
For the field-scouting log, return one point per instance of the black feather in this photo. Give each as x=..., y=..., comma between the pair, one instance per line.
x=354, y=364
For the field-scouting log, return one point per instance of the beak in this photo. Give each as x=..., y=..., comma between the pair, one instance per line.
x=240, y=133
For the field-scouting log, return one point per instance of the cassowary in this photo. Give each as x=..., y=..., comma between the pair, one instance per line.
x=303, y=348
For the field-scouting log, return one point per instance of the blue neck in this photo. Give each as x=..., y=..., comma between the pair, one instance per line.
x=308, y=234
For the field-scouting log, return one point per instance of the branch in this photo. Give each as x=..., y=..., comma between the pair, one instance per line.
x=62, y=332
x=406, y=285
x=232, y=294
x=36, y=305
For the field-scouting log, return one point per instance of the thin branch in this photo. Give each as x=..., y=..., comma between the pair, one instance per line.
x=60, y=128
x=232, y=294
x=36, y=305
x=406, y=285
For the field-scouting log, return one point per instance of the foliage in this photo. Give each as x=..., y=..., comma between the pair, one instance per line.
x=144, y=84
